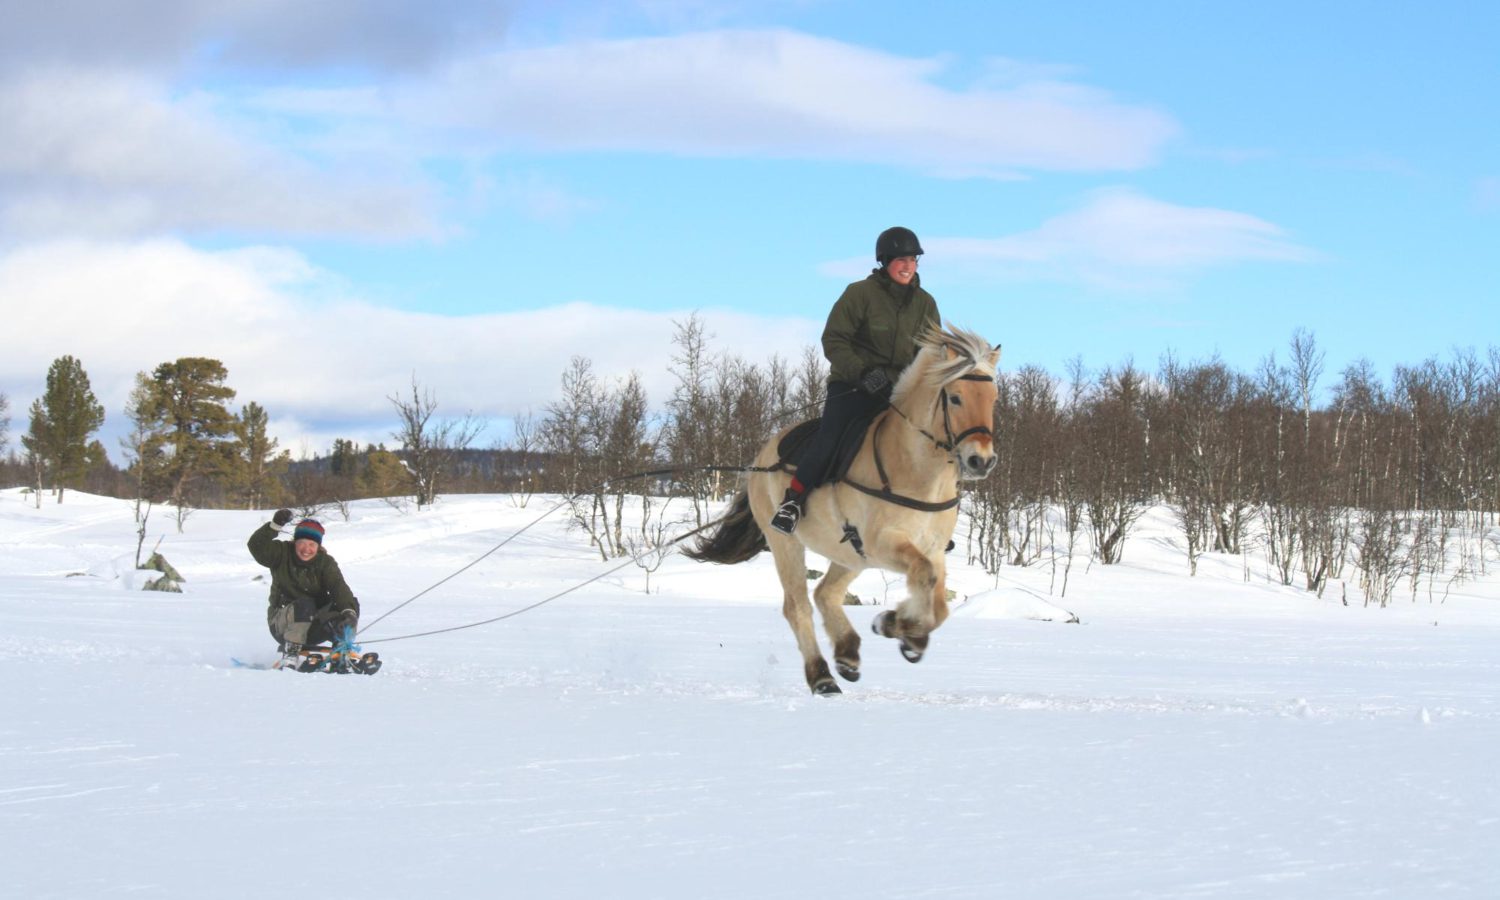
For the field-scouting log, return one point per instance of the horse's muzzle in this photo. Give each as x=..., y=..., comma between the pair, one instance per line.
x=973, y=466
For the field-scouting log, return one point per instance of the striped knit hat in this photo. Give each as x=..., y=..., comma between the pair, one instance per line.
x=311, y=529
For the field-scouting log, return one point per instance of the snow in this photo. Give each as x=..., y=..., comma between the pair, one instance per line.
x=1216, y=736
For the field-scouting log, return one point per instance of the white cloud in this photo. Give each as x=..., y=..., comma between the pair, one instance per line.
x=115, y=152
x=320, y=361
x=1120, y=238
x=104, y=154
x=776, y=94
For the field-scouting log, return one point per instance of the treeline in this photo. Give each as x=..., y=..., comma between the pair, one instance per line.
x=1397, y=481
x=184, y=446
x=1384, y=480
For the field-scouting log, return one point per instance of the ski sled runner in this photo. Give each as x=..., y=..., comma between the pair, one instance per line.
x=335, y=660
x=321, y=659
x=343, y=658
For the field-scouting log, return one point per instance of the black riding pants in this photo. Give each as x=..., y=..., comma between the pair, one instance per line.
x=845, y=406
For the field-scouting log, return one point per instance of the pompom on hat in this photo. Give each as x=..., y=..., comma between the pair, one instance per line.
x=309, y=529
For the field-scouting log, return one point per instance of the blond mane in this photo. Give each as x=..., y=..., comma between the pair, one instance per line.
x=933, y=368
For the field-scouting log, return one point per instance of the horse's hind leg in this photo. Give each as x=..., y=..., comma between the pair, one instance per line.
x=791, y=567
x=830, y=598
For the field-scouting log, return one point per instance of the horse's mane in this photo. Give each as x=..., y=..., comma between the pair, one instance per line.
x=932, y=367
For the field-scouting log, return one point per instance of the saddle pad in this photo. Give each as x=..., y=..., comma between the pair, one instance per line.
x=791, y=444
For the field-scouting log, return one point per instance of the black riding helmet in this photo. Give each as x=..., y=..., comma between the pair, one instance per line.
x=895, y=243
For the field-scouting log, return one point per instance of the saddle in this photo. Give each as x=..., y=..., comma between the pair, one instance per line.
x=848, y=446
x=791, y=444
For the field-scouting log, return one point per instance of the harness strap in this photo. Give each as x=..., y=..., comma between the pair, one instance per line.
x=885, y=480
x=885, y=493
x=909, y=503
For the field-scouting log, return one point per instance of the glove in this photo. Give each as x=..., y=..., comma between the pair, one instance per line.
x=337, y=620
x=282, y=517
x=875, y=382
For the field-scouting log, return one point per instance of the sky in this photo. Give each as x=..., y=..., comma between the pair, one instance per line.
x=338, y=199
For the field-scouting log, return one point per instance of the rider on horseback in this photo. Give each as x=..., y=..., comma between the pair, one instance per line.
x=871, y=336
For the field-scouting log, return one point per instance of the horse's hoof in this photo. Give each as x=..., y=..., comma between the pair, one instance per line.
x=884, y=624
x=911, y=654
x=848, y=671
x=827, y=688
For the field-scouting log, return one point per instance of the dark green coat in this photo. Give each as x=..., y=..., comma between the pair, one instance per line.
x=875, y=323
x=318, y=579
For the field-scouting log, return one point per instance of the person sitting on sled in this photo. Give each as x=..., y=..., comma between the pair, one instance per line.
x=310, y=602
x=870, y=337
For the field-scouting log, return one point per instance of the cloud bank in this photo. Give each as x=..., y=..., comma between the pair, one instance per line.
x=320, y=361
x=88, y=153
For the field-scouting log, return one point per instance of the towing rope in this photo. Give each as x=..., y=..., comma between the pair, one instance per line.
x=545, y=601
x=554, y=508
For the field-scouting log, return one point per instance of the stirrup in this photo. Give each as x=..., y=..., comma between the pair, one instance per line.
x=785, y=520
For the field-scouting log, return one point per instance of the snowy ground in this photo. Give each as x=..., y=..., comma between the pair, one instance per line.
x=1206, y=737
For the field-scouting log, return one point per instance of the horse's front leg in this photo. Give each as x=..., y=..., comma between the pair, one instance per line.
x=925, y=608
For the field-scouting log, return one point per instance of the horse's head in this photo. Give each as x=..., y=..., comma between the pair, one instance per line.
x=962, y=367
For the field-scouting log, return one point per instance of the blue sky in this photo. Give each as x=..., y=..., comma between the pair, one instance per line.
x=338, y=197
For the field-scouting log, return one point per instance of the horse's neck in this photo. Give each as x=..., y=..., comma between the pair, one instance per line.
x=922, y=460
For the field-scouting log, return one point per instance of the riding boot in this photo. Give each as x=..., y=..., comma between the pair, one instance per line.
x=787, y=515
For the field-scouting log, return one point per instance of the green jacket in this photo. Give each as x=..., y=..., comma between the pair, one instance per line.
x=875, y=323
x=318, y=579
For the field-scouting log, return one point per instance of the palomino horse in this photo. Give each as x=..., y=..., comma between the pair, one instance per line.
x=895, y=509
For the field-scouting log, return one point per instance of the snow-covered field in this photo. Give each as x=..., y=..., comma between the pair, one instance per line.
x=1204, y=737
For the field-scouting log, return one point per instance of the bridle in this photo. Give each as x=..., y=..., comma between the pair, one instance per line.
x=949, y=443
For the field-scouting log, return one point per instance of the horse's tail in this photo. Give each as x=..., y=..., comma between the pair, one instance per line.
x=737, y=538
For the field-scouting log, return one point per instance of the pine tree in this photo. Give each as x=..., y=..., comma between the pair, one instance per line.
x=258, y=468
x=191, y=431
x=343, y=462
x=62, y=421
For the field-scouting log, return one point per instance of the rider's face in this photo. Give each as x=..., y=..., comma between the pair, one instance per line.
x=305, y=549
x=902, y=269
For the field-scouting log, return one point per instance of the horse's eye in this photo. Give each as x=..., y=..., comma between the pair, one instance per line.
x=955, y=400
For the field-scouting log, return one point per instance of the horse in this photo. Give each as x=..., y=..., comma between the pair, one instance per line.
x=938, y=429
